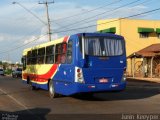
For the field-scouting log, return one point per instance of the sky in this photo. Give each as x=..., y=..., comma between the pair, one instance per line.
x=20, y=29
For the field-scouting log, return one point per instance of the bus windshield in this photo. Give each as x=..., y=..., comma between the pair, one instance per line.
x=103, y=46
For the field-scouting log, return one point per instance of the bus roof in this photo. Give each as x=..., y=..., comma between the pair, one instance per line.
x=45, y=44
x=102, y=34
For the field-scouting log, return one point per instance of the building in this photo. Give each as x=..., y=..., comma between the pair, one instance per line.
x=138, y=34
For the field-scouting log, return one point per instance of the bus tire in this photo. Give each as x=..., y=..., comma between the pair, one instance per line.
x=52, y=93
x=31, y=87
x=12, y=76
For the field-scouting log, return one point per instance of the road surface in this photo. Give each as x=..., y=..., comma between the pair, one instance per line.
x=16, y=98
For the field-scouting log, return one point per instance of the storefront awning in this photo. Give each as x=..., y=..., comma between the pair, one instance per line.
x=145, y=30
x=109, y=30
x=150, y=51
x=157, y=30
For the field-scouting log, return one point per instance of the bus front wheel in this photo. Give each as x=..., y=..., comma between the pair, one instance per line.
x=31, y=87
x=52, y=93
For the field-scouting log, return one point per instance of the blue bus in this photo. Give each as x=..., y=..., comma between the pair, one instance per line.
x=83, y=62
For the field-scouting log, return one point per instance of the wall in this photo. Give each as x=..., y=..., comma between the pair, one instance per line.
x=104, y=24
x=129, y=29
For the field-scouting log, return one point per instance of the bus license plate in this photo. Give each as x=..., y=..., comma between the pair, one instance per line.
x=103, y=80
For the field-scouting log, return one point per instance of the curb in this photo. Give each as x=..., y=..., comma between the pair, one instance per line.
x=154, y=80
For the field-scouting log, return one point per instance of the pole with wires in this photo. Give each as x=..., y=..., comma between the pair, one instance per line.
x=48, y=19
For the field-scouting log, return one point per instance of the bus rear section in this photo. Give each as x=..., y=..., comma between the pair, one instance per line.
x=99, y=64
x=104, y=62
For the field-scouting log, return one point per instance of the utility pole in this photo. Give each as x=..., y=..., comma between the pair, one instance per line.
x=46, y=3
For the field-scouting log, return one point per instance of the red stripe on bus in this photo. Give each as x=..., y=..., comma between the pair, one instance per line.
x=66, y=39
x=43, y=77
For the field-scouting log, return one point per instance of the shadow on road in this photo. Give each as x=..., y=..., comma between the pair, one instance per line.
x=28, y=114
x=135, y=90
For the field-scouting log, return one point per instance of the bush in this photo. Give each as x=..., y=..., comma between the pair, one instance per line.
x=8, y=71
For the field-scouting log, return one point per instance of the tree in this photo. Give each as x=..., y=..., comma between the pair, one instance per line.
x=0, y=62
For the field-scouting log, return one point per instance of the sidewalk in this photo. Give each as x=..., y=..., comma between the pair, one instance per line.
x=156, y=80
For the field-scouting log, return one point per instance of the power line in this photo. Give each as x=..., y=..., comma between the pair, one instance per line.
x=22, y=38
x=109, y=21
x=112, y=13
x=29, y=12
x=15, y=48
x=48, y=20
x=102, y=13
x=86, y=27
x=82, y=13
x=26, y=15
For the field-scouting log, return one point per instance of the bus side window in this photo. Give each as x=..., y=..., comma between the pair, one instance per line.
x=29, y=58
x=34, y=57
x=64, y=51
x=24, y=62
x=61, y=50
x=41, y=53
x=58, y=54
x=49, y=55
x=69, y=52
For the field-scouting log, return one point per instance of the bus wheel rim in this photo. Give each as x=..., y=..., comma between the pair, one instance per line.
x=51, y=89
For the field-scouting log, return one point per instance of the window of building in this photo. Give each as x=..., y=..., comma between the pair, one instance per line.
x=50, y=54
x=109, y=30
x=158, y=35
x=144, y=32
x=144, y=35
x=41, y=54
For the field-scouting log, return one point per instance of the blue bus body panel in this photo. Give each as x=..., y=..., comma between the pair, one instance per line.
x=91, y=77
x=65, y=72
x=95, y=68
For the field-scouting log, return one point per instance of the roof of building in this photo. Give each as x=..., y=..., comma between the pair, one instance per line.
x=112, y=19
x=149, y=51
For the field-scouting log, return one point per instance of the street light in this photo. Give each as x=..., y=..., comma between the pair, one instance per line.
x=29, y=12
x=49, y=30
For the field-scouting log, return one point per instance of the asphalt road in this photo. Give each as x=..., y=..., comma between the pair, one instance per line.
x=16, y=98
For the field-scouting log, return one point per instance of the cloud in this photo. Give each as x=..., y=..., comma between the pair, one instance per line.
x=2, y=38
x=129, y=11
x=71, y=10
x=35, y=40
x=19, y=27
